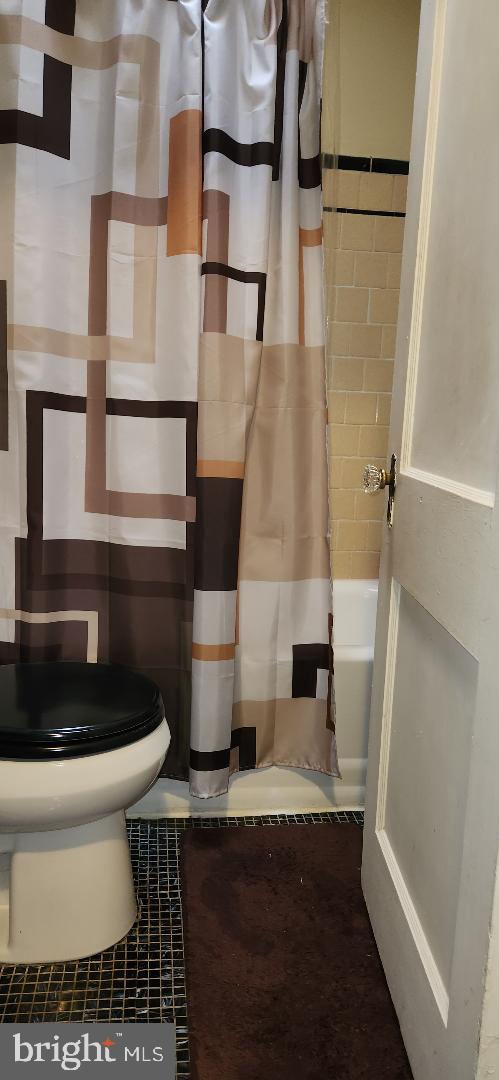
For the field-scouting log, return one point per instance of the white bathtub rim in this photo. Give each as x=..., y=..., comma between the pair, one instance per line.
x=272, y=790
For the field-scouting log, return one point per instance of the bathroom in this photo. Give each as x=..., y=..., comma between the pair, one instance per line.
x=239, y=294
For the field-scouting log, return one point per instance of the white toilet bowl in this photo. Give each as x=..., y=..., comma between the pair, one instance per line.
x=66, y=886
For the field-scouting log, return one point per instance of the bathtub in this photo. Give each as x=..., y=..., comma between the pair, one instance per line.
x=283, y=790
x=354, y=607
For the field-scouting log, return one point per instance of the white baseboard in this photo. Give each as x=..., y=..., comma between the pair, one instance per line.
x=262, y=791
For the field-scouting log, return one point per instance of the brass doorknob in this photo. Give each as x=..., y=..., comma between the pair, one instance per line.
x=374, y=479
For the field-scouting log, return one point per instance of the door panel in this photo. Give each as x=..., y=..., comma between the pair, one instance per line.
x=432, y=714
x=456, y=416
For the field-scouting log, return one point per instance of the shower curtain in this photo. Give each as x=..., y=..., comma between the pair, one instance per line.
x=163, y=499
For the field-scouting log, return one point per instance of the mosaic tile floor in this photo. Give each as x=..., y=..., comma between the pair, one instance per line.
x=142, y=978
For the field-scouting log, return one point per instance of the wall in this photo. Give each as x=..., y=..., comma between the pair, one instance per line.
x=377, y=65
x=367, y=109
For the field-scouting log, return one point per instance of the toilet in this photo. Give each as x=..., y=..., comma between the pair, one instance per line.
x=79, y=743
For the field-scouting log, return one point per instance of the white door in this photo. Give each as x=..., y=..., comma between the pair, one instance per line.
x=432, y=816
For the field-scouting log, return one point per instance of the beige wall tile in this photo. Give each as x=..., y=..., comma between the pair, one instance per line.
x=331, y=229
x=364, y=564
x=351, y=473
x=336, y=404
x=357, y=232
x=344, y=439
x=393, y=275
x=346, y=188
x=342, y=269
x=387, y=342
x=399, y=194
x=361, y=408
x=370, y=507
x=370, y=268
x=341, y=564
x=343, y=505
x=374, y=535
x=351, y=535
x=347, y=373
x=351, y=304
x=336, y=472
x=339, y=338
x=340, y=187
x=378, y=375
x=362, y=263
x=365, y=340
x=388, y=234
x=376, y=191
x=373, y=440
x=383, y=306
x=330, y=253
x=383, y=410
x=328, y=187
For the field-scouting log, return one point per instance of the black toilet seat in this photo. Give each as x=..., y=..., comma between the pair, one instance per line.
x=63, y=710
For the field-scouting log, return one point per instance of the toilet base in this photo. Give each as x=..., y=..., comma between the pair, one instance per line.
x=65, y=894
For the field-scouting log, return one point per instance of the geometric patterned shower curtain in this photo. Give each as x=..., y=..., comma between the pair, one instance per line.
x=163, y=474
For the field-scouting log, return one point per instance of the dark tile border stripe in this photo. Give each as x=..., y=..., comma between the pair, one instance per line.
x=371, y=213
x=390, y=165
x=365, y=164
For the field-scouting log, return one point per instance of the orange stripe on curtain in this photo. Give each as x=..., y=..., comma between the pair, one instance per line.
x=212, y=652
x=307, y=238
x=220, y=468
x=183, y=234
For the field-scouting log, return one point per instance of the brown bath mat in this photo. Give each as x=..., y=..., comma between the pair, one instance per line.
x=284, y=981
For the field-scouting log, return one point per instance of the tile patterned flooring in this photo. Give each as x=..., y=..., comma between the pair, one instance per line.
x=142, y=978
